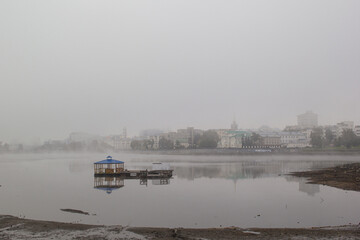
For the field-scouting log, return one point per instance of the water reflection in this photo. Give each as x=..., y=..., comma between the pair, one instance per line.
x=248, y=169
x=304, y=186
x=110, y=184
x=204, y=192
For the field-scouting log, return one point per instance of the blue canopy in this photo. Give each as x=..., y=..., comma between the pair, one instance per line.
x=109, y=160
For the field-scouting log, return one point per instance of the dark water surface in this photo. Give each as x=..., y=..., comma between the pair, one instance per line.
x=206, y=191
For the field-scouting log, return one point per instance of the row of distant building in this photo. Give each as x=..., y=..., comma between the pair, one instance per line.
x=296, y=136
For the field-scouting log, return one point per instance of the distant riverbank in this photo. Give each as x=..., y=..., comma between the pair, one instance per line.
x=19, y=228
x=253, y=151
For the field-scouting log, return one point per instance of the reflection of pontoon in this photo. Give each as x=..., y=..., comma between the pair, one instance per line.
x=108, y=184
x=115, y=168
x=162, y=181
x=109, y=174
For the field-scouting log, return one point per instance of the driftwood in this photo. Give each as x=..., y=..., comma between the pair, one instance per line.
x=74, y=211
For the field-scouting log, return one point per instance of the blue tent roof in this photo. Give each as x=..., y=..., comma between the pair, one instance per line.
x=109, y=160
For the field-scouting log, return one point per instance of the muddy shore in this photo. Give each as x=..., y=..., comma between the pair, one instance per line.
x=18, y=228
x=346, y=177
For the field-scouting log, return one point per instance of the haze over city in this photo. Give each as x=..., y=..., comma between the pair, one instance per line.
x=161, y=119
x=99, y=66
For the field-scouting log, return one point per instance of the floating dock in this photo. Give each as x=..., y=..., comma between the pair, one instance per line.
x=135, y=174
x=114, y=168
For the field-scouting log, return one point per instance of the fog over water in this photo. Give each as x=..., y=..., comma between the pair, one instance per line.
x=206, y=191
x=98, y=66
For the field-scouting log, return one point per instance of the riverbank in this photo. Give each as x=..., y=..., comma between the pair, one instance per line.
x=250, y=151
x=19, y=228
x=346, y=177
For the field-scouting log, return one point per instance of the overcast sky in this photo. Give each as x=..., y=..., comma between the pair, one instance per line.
x=99, y=66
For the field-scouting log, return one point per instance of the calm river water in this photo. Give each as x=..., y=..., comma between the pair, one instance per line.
x=206, y=191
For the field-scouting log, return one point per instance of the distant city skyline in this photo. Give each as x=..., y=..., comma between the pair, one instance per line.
x=98, y=66
x=40, y=140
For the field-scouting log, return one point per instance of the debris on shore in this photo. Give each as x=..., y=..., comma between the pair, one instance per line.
x=346, y=177
x=19, y=228
x=74, y=211
x=231, y=233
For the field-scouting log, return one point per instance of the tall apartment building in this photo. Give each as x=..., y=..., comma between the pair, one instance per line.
x=307, y=120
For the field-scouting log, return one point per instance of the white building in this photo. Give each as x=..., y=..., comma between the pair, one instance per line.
x=231, y=139
x=118, y=142
x=307, y=120
x=341, y=126
x=270, y=139
x=123, y=144
x=156, y=140
x=357, y=130
x=294, y=139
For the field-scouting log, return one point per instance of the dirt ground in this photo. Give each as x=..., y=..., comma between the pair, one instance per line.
x=18, y=228
x=345, y=177
x=350, y=232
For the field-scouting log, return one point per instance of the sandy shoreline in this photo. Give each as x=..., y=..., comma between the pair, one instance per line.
x=18, y=228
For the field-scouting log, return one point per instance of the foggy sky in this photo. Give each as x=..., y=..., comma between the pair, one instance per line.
x=99, y=66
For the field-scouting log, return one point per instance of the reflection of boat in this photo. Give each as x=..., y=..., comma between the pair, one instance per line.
x=115, y=168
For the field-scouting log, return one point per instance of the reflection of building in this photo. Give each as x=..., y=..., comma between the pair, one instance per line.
x=307, y=120
x=308, y=188
x=108, y=184
x=304, y=186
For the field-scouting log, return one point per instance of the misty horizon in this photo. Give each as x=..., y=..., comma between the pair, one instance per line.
x=100, y=66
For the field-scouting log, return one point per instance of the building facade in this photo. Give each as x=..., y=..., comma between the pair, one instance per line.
x=270, y=140
x=357, y=130
x=294, y=140
x=307, y=120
